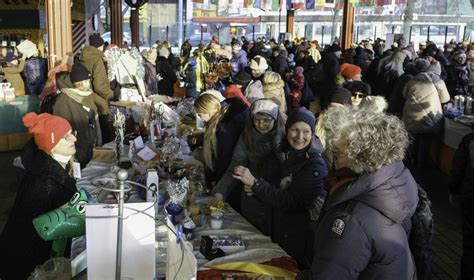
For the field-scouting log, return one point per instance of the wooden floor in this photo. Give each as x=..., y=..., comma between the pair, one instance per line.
x=446, y=244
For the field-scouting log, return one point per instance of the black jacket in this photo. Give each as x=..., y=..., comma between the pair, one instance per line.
x=227, y=134
x=396, y=102
x=45, y=187
x=279, y=64
x=462, y=172
x=165, y=85
x=299, y=193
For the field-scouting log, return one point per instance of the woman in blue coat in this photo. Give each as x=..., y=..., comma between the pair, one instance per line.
x=363, y=229
x=297, y=199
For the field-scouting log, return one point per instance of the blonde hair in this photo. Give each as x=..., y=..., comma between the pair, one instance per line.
x=271, y=77
x=206, y=104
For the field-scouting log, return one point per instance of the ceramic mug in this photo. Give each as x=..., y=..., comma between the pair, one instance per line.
x=217, y=220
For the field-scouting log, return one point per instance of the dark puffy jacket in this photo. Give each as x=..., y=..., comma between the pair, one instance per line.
x=260, y=159
x=227, y=134
x=165, y=85
x=45, y=187
x=297, y=200
x=396, y=102
x=462, y=172
x=458, y=79
x=363, y=233
x=279, y=64
x=35, y=71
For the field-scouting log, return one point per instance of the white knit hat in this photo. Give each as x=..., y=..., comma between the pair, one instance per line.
x=266, y=106
x=163, y=52
x=258, y=63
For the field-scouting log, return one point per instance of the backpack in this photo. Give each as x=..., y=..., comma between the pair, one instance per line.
x=315, y=75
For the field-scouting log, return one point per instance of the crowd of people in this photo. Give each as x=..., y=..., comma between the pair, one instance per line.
x=309, y=145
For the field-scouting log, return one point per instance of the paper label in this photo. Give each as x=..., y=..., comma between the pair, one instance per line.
x=77, y=170
x=138, y=143
x=146, y=154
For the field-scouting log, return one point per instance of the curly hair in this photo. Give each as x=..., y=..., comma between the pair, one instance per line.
x=373, y=139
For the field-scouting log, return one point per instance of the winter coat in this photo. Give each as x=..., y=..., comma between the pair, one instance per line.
x=92, y=59
x=444, y=63
x=261, y=160
x=151, y=82
x=45, y=187
x=396, y=102
x=254, y=90
x=362, y=233
x=296, y=200
x=190, y=81
x=276, y=92
x=280, y=65
x=35, y=74
x=232, y=91
x=82, y=119
x=458, y=79
x=238, y=62
x=424, y=95
x=12, y=75
x=462, y=172
x=227, y=134
x=166, y=84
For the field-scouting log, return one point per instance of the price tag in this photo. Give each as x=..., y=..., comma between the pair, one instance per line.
x=77, y=170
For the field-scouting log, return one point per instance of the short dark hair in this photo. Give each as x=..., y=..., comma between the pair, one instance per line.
x=358, y=86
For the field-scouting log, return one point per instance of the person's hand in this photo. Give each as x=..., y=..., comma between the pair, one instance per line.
x=159, y=77
x=243, y=174
x=248, y=189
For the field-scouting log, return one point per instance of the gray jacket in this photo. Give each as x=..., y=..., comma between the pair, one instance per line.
x=363, y=233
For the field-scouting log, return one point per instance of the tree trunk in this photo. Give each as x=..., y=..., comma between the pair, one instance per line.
x=334, y=25
x=408, y=19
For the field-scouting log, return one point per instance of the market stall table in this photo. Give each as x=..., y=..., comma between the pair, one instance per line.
x=13, y=134
x=258, y=248
x=452, y=134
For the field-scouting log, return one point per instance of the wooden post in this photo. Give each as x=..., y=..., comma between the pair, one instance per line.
x=59, y=28
x=116, y=22
x=290, y=21
x=347, y=25
x=135, y=20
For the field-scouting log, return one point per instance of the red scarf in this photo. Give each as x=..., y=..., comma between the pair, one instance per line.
x=339, y=178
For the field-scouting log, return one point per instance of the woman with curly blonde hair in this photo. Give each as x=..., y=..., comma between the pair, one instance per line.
x=370, y=201
x=225, y=121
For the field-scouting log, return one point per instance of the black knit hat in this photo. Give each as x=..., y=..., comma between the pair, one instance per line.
x=95, y=40
x=242, y=78
x=79, y=73
x=341, y=96
x=301, y=115
x=358, y=86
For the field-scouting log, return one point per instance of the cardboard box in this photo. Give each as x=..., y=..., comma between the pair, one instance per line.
x=18, y=141
x=3, y=143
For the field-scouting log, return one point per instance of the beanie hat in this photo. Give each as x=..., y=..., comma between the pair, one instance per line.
x=349, y=71
x=422, y=65
x=47, y=129
x=301, y=115
x=10, y=57
x=242, y=78
x=266, y=106
x=458, y=53
x=164, y=52
x=341, y=96
x=95, y=40
x=428, y=52
x=79, y=73
x=299, y=70
x=258, y=63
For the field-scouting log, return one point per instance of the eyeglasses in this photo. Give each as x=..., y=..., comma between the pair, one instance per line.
x=358, y=95
x=264, y=121
x=71, y=136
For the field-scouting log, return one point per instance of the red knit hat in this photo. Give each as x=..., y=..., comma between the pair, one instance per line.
x=349, y=71
x=46, y=129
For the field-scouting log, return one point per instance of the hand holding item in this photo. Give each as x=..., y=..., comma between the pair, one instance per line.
x=159, y=77
x=243, y=174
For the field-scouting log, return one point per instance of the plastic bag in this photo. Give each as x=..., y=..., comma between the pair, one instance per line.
x=52, y=269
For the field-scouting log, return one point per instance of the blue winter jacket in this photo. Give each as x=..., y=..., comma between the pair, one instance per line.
x=363, y=233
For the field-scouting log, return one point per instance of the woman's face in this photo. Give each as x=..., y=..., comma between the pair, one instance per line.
x=206, y=117
x=340, y=154
x=357, y=98
x=66, y=145
x=299, y=135
x=263, y=123
x=257, y=73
